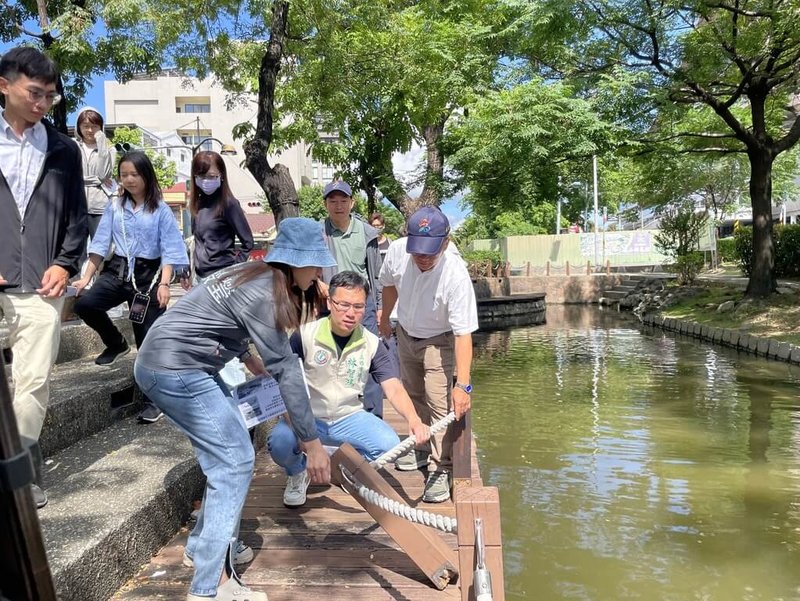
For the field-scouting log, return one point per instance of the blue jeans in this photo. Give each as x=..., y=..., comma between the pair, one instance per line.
x=369, y=435
x=202, y=408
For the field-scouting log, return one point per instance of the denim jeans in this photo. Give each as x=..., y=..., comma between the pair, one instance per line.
x=373, y=393
x=202, y=408
x=369, y=435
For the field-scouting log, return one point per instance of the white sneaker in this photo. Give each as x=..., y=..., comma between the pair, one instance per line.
x=242, y=554
x=232, y=590
x=296, y=487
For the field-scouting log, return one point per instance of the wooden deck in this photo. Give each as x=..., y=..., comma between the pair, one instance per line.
x=331, y=547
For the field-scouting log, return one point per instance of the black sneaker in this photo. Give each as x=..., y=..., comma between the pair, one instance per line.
x=150, y=414
x=108, y=356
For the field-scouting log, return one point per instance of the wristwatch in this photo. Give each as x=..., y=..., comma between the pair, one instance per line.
x=465, y=387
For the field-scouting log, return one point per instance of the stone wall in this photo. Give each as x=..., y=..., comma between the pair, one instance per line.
x=756, y=345
x=560, y=289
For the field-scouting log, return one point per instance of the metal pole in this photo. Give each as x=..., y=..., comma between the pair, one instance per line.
x=596, y=214
x=558, y=215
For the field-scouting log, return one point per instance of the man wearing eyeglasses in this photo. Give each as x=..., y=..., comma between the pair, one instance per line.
x=43, y=226
x=338, y=356
x=354, y=245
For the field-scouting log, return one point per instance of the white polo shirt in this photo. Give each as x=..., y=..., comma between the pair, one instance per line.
x=432, y=302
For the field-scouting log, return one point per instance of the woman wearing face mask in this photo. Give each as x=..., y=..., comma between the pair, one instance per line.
x=217, y=219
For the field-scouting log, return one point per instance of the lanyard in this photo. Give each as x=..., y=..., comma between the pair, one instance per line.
x=130, y=258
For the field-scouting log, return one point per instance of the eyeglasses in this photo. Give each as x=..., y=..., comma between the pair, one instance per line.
x=36, y=96
x=345, y=307
x=209, y=178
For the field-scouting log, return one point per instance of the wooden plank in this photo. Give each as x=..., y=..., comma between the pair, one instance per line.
x=423, y=546
x=462, y=450
x=483, y=503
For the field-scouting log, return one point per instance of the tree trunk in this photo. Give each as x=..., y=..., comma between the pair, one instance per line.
x=762, y=277
x=275, y=181
x=434, y=166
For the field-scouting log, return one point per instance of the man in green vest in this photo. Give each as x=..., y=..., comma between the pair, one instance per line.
x=339, y=355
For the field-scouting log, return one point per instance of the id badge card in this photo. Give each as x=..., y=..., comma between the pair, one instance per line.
x=139, y=308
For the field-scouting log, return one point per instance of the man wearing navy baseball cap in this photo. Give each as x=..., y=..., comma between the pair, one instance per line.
x=354, y=244
x=436, y=314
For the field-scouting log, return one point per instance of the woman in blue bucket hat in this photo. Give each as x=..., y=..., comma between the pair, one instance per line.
x=178, y=367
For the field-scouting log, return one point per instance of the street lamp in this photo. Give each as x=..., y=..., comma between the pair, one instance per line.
x=226, y=150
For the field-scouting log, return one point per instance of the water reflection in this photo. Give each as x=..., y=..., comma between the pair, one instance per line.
x=638, y=465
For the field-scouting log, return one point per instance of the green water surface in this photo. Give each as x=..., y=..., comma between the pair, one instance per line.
x=638, y=465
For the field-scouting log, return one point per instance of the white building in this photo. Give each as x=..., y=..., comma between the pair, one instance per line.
x=179, y=110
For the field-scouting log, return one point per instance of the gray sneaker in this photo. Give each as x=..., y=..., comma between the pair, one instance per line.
x=413, y=460
x=437, y=487
x=242, y=554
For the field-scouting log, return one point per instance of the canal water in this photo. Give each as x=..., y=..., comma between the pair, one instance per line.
x=636, y=465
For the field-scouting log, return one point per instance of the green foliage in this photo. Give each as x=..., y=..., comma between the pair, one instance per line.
x=787, y=250
x=165, y=169
x=509, y=146
x=688, y=267
x=477, y=260
x=679, y=238
x=743, y=240
x=726, y=250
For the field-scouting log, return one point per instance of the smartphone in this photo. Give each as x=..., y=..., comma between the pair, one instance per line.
x=139, y=308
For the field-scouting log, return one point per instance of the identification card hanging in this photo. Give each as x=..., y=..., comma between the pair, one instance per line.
x=139, y=308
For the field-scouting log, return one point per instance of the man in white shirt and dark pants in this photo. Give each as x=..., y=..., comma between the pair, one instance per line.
x=436, y=314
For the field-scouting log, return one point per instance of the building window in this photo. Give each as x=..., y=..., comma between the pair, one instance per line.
x=195, y=140
x=196, y=108
x=169, y=152
x=315, y=172
x=327, y=174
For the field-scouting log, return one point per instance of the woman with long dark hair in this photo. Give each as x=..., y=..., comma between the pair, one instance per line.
x=147, y=244
x=178, y=365
x=217, y=221
x=217, y=218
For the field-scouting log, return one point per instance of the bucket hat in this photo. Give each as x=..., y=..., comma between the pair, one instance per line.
x=428, y=229
x=300, y=243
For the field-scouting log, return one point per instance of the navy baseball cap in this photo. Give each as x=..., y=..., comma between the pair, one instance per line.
x=340, y=186
x=428, y=230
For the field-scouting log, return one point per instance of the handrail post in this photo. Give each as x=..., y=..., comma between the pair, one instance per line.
x=24, y=571
x=479, y=503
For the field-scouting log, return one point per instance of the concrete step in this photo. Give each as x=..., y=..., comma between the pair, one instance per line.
x=85, y=399
x=615, y=294
x=115, y=498
x=77, y=339
x=625, y=287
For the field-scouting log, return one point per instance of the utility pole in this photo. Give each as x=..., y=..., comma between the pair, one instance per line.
x=596, y=212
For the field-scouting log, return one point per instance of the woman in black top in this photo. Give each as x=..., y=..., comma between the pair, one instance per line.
x=217, y=219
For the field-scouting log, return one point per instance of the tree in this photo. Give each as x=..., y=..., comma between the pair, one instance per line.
x=738, y=61
x=382, y=75
x=67, y=33
x=164, y=168
x=679, y=237
x=513, y=147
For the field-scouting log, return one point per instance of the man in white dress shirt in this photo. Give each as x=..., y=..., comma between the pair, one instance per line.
x=43, y=227
x=436, y=314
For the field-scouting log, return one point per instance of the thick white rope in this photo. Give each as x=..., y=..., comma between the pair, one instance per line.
x=408, y=443
x=400, y=509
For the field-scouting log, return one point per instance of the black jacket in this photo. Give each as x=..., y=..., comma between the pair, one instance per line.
x=54, y=229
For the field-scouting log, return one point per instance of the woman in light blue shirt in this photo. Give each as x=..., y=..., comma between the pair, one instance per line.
x=147, y=245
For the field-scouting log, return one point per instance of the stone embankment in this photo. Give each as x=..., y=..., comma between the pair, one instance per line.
x=651, y=296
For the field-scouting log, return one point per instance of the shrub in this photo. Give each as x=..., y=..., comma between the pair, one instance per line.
x=688, y=266
x=786, y=239
x=477, y=260
x=726, y=250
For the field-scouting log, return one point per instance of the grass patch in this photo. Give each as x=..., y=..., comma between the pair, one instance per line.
x=776, y=317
